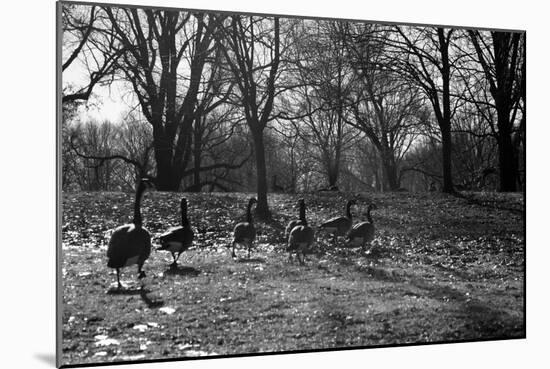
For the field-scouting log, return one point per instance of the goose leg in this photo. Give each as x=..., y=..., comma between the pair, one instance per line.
x=368, y=248
x=233, y=251
x=249, y=245
x=118, y=278
x=141, y=273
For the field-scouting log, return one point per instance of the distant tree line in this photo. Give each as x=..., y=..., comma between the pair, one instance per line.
x=259, y=103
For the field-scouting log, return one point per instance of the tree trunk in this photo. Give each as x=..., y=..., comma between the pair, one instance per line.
x=444, y=120
x=197, y=151
x=332, y=178
x=262, y=208
x=332, y=173
x=167, y=178
x=447, y=158
x=508, y=161
x=390, y=171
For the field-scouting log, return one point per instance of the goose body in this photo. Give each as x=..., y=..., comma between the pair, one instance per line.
x=340, y=226
x=295, y=222
x=244, y=233
x=137, y=250
x=130, y=243
x=178, y=239
x=301, y=236
x=362, y=233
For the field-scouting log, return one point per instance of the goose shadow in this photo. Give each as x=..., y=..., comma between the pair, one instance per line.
x=182, y=271
x=149, y=297
x=125, y=291
x=250, y=260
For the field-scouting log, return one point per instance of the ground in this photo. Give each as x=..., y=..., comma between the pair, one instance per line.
x=442, y=268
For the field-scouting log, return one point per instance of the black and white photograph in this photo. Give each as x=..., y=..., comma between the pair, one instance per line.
x=241, y=184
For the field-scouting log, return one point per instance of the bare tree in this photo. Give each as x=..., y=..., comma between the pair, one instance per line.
x=423, y=56
x=323, y=80
x=215, y=120
x=82, y=42
x=502, y=58
x=155, y=43
x=112, y=156
x=386, y=108
x=252, y=49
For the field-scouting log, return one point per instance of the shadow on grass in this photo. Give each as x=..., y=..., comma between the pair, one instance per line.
x=379, y=274
x=182, y=271
x=481, y=319
x=151, y=299
x=125, y=291
x=250, y=260
x=472, y=199
x=463, y=275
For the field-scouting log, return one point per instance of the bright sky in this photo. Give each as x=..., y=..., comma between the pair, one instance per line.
x=110, y=102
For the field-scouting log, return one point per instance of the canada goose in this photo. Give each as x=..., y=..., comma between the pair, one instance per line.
x=301, y=236
x=131, y=243
x=295, y=222
x=244, y=233
x=340, y=226
x=178, y=239
x=362, y=233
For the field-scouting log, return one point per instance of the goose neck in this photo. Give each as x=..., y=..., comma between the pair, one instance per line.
x=303, y=212
x=184, y=220
x=137, y=205
x=369, y=218
x=348, y=210
x=249, y=213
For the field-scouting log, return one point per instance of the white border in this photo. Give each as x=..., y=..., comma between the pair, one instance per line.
x=27, y=142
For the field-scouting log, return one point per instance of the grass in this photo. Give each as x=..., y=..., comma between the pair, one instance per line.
x=442, y=268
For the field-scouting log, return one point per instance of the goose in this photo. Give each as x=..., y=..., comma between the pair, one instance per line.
x=131, y=243
x=178, y=239
x=293, y=223
x=362, y=233
x=340, y=226
x=300, y=237
x=244, y=233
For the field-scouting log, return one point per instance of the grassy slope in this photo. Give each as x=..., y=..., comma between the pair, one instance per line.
x=443, y=268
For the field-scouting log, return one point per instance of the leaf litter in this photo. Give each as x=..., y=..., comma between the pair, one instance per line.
x=441, y=268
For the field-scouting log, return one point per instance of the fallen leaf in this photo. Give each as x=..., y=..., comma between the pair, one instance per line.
x=140, y=327
x=167, y=310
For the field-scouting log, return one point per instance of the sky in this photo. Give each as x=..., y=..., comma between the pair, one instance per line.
x=110, y=102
